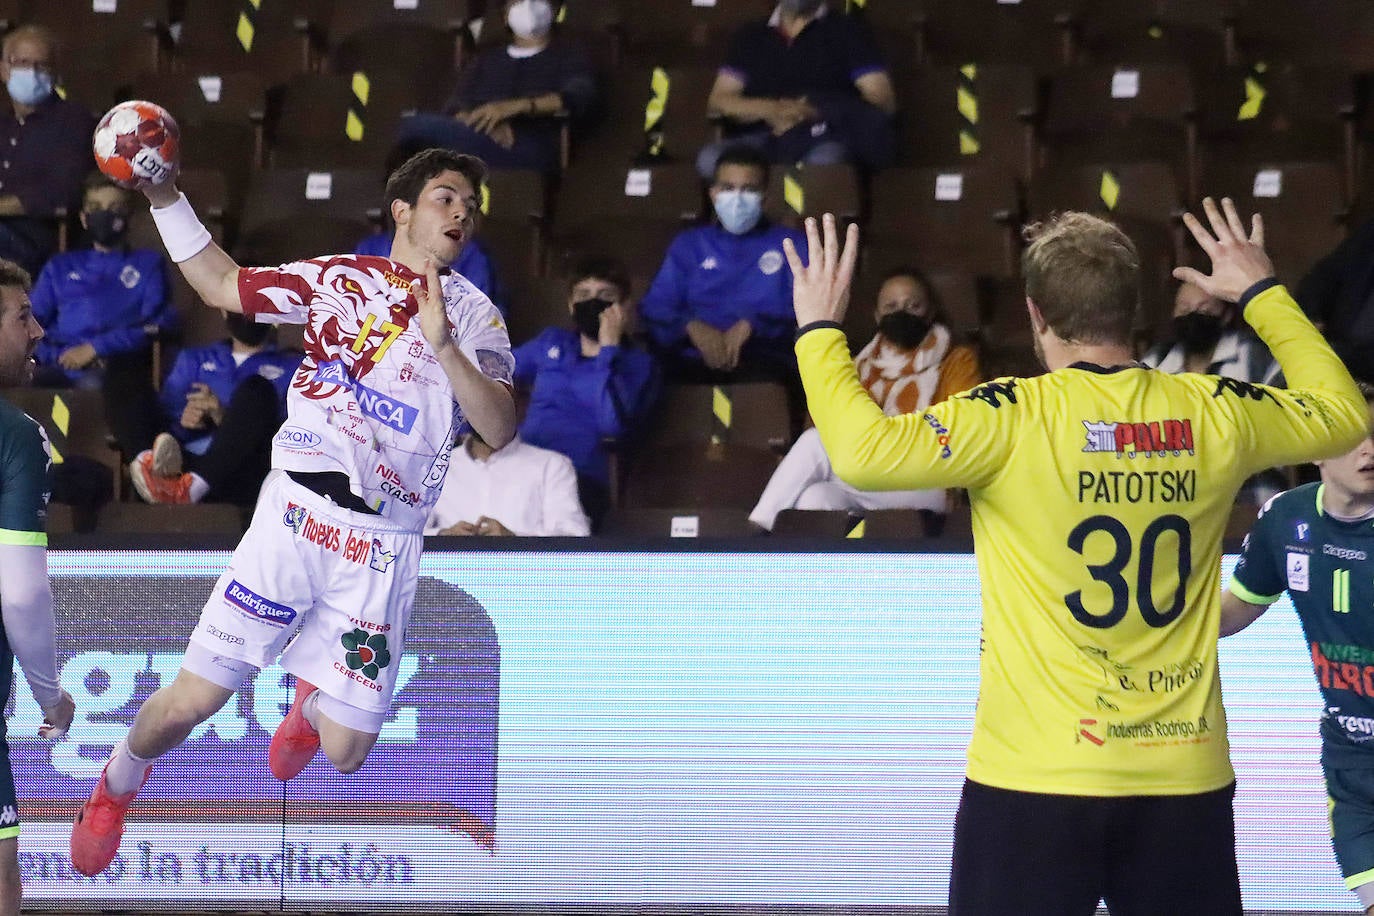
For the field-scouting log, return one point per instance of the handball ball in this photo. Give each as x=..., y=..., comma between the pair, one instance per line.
x=137, y=141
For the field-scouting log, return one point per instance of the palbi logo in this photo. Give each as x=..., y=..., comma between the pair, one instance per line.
x=367, y=653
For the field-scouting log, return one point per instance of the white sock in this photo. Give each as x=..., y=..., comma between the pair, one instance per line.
x=198, y=488
x=310, y=710
x=124, y=773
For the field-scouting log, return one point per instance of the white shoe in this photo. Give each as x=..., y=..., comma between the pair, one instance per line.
x=166, y=456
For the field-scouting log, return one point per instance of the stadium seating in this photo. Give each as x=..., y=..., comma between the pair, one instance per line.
x=682, y=522
x=75, y=423
x=296, y=213
x=1009, y=111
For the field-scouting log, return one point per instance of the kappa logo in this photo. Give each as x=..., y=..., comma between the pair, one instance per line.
x=8, y=816
x=1157, y=437
x=381, y=557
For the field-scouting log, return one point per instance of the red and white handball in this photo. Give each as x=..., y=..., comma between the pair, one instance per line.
x=137, y=141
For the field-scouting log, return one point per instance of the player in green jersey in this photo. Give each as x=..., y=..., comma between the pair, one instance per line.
x=25, y=597
x=1315, y=542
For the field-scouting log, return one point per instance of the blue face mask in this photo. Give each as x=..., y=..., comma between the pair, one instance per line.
x=739, y=211
x=28, y=86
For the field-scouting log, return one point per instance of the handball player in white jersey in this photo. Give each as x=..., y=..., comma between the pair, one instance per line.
x=399, y=353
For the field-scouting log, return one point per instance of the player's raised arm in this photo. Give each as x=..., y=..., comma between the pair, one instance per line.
x=211, y=273
x=137, y=144
x=1322, y=413
x=867, y=448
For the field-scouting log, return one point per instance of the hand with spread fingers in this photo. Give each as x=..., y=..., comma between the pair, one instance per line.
x=1238, y=260
x=820, y=289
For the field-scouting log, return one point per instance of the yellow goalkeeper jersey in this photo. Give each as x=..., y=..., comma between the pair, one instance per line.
x=1099, y=500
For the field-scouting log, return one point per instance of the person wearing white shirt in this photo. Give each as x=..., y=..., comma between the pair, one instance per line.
x=519, y=490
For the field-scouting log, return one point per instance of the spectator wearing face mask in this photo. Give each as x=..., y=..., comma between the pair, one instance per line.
x=807, y=86
x=588, y=383
x=101, y=307
x=518, y=490
x=720, y=307
x=221, y=406
x=911, y=363
x=47, y=144
x=507, y=107
x=1206, y=340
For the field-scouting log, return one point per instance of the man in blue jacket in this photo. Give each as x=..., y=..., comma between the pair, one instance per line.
x=221, y=404
x=588, y=384
x=102, y=307
x=720, y=308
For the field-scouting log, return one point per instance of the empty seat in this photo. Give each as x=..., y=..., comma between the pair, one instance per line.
x=981, y=113
x=1184, y=31
x=1303, y=205
x=421, y=41
x=814, y=190
x=1279, y=112
x=959, y=217
x=684, y=522
x=631, y=211
x=514, y=226
x=815, y=523
x=653, y=112
x=301, y=213
x=698, y=476
x=1120, y=113
x=982, y=31
x=752, y=414
x=197, y=519
x=227, y=36
x=118, y=36
x=683, y=31
x=340, y=120
x=1329, y=32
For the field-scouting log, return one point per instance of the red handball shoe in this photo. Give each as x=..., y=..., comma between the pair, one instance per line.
x=99, y=828
x=295, y=743
x=155, y=488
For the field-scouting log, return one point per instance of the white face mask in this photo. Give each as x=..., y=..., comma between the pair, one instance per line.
x=530, y=18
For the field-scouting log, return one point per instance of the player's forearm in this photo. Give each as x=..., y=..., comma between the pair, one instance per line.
x=487, y=403
x=867, y=449
x=211, y=272
x=1237, y=614
x=1310, y=366
x=26, y=599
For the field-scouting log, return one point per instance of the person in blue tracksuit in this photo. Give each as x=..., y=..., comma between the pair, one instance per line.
x=221, y=406
x=720, y=307
x=101, y=308
x=588, y=383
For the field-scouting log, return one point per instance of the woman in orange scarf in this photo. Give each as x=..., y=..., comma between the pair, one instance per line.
x=910, y=363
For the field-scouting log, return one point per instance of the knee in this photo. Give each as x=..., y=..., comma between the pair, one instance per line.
x=349, y=757
x=188, y=710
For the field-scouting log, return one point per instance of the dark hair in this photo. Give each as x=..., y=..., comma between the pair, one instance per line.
x=937, y=305
x=602, y=268
x=742, y=154
x=1083, y=273
x=410, y=178
x=11, y=274
x=1367, y=390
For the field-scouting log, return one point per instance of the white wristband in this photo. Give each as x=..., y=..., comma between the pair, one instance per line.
x=181, y=230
